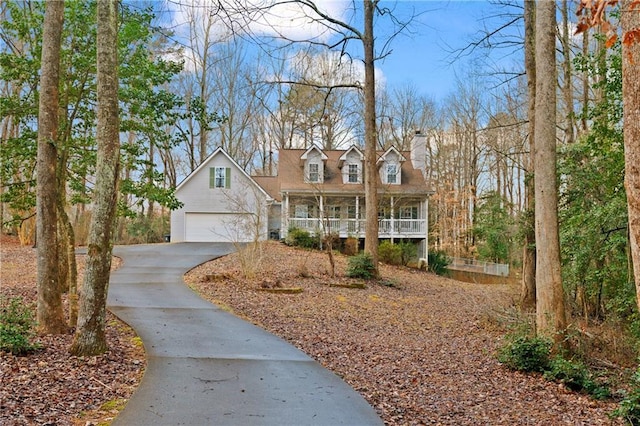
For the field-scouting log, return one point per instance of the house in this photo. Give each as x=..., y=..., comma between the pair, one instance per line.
x=321, y=191
x=221, y=202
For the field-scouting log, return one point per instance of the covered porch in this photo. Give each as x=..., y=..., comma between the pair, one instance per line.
x=398, y=217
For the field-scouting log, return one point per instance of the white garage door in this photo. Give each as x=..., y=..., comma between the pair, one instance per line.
x=216, y=227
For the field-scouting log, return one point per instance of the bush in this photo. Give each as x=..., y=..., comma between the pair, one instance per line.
x=361, y=266
x=144, y=230
x=526, y=353
x=301, y=238
x=16, y=327
x=351, y=246
x=629, y=408
x=438, y=262
x=390, y=253
x=409, y=252
x=575, y=375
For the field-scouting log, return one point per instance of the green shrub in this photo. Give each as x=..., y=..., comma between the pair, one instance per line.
x=438, y=262
x=629, y=408
x=575, y=375
x=409, y=252
x=390, y=253
x=143, y=230
x=16, y=327
x=301, y=238
x=526, y=353
x=361, y=266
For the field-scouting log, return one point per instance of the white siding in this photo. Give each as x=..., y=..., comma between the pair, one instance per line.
x=207, y=212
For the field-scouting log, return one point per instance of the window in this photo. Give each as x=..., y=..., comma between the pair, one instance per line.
x=220, y=177
x=409, y=212
x=351, y=212
x=353, y=173
x=333, y=212
x=301, y=211
x=392, y=173
x=314, y=173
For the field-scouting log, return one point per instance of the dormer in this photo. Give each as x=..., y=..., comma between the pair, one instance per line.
x=389, y=165
x=351, y=164
x=313, y=160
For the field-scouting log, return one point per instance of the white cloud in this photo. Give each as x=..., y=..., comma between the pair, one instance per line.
x=272, y=18
x=296, y=21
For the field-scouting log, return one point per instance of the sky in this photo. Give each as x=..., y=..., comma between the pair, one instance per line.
x=424, y=55
x=428, y=58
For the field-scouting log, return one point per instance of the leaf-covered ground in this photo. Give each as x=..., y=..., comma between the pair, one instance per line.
x=50, y=387
x=421, y=351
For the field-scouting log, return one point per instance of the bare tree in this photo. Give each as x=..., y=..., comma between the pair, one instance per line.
x=50, y=314
x=90, y=338
x=550, y=310
x=242, y=15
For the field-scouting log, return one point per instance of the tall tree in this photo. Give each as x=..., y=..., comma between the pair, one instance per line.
x=592, y=13
x=342, y=31
x=50, y=314
x=550, y=310
x=370, y=136
x=90, y=336
x=630, y=22
x=528, y=288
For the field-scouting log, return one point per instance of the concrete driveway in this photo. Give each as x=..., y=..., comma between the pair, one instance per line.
x=206, y=366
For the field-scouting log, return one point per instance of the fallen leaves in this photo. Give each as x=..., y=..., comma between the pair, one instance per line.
x=50, y=386
x=421, y=352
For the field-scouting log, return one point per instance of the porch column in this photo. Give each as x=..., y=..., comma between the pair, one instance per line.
x=425, y=214
x=392, y=223
x=285, y=216
x=322, y=223
x=358, y=215
x=426, y=228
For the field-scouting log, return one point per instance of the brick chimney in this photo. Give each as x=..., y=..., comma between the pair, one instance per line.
x=419, y=152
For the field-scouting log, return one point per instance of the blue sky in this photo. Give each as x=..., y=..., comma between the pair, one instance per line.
x=424, y=56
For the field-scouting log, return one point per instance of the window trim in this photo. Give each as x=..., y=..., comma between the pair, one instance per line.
x=353, y=174
x=315, y=173
x=219, y=177
x=394, y=174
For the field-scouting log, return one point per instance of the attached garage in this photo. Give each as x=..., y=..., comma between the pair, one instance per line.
x=217, y=227
x=221, y=203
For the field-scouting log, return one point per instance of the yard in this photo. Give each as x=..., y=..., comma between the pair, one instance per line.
x=420, y=348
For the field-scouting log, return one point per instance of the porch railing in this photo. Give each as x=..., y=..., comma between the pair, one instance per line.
x=356, y=227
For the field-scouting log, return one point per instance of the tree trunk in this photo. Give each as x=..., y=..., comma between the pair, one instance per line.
x=567, y=66
x=371, y=169
x=90, y=334
x=630, y=20
x=528, y=287
x=50, y=314
x=550, y=312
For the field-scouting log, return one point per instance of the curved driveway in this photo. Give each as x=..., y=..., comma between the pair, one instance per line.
x=206, y=366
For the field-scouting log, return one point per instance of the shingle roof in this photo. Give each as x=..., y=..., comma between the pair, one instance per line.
x=291, y=177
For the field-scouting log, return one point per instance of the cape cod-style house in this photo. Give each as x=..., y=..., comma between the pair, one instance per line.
x=321, y=191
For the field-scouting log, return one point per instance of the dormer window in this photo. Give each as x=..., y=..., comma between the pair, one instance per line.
x=354, y=173
x=392, y=173
x=389, y=164
x=313, y=161
x=351, y=165
x=314, y=172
